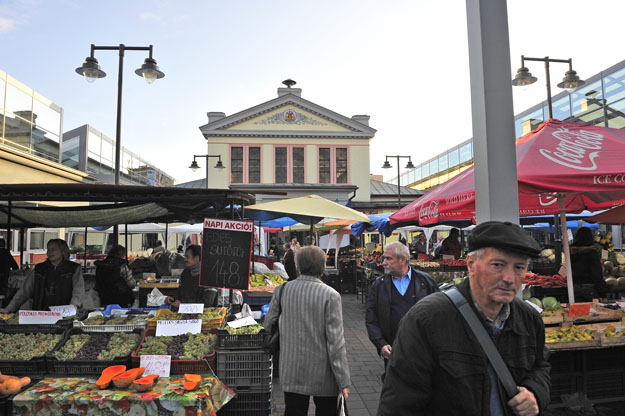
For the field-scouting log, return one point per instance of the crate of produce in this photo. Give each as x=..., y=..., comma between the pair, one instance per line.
x=571, y=337
x=244, y=369
x=203, y=360
x=6, y=401
x=211, y=317
x=89, y=353
x=118, y=310
x=9, y=322
x=245, y=338
x=248, y=404
x=119, y=323
x=23, y=354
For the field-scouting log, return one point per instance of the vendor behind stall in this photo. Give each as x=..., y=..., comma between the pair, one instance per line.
x=114, y=281
x=56, y=281
x=189, y=290
x=586, y=267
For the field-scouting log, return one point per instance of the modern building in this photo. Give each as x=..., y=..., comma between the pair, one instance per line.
x=291, y=145
x=600, y=101
x=91, y=151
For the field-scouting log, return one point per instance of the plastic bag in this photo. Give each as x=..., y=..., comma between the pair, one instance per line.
x=260, y=268
x=245, y=312
x=156, y=298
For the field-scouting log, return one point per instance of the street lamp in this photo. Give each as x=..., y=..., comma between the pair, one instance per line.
x=91, y=71
x=569, y=82
x=194, y=166
x=387, y=165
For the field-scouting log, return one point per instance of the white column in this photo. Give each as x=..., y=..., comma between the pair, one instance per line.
x=496, y=190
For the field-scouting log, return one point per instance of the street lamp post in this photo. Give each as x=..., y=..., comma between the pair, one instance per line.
x=194, y=166
x=387, y=165
x=91, y=71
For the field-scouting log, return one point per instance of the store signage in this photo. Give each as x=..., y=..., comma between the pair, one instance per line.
x=173, y=328
x=578, y=309
x=156, y=364
x=226, y=253
x=65, y=310
x=191, y=308
x=38, y=317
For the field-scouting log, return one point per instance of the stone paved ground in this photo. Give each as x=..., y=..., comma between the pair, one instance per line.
x=365, y=366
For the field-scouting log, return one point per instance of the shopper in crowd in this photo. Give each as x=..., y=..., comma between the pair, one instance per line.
x=158, y=247
x=420, y=245
x=55, y=282
x=439, y=368
x=309, y=241
x=392, y=295
x=189, y=290
x=7, y=263
x=295, y=244
x=313, y=359
x=451, y=245
x=114, y=281
x=289, y=262
x=588, y=283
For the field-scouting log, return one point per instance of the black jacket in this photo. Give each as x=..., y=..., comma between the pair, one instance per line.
x=289, y=264
x=378, y=314
x=586, y=268
x=110, y=284
x=438, y=367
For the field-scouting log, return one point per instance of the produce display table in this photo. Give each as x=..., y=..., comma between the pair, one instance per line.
x=57, y=396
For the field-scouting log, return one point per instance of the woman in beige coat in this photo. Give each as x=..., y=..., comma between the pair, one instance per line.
x=313, y=360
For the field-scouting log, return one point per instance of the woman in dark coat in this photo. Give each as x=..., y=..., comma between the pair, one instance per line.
x=114, y=281
x=588, y=282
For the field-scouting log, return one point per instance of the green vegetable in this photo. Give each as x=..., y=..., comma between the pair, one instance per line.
x=527, y=293
x=551, y=303
x=536, y=301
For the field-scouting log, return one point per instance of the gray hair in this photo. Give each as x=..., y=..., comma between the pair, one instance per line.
x=311, y=261
x=399, y=250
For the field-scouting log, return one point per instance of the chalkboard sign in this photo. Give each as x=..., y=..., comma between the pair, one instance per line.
x=226, y=253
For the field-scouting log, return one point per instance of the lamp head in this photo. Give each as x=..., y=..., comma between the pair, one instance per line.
x=571, y=81
x=149, y=71
x=90, y=69
x=523, y=77
x=409, y=165
x=219, y=165
x=386, y=165
x=194, y=166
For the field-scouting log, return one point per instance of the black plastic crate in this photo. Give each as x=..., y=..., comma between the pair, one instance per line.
x=545, y=269
x=248, y=404
x=36, y=366
x=41, y=328
x=605, y=359
x=227, y=341
x=256, y=300
x=605, y=385
x=564, y=384
x=565, y=361
x=244, y=369
x=60, y=368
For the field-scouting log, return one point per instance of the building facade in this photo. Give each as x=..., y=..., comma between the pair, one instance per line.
x=600, y=101
x=291, y=145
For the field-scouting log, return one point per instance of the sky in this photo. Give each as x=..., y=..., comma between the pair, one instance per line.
x=403, y=62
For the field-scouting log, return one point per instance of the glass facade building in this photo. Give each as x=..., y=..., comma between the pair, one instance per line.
x=601, y=101
x=29, y=122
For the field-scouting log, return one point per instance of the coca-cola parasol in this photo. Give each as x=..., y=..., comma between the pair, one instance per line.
x=561, y=167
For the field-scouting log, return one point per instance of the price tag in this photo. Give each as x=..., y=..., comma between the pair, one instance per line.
x=156, y=364
x=65, y=310
x=173, y=328
x=191, y=308
x=578, y=309
x=38, y=317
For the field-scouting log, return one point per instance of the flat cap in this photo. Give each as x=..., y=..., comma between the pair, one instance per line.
x=505, y=236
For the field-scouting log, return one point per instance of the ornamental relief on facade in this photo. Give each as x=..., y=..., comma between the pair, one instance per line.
x=290, y=117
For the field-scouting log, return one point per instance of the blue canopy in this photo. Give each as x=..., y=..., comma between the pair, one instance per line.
x=378, y=222
x=545, y=227
x=278, y=222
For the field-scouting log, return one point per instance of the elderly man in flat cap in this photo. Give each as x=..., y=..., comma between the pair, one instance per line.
x=438, y=367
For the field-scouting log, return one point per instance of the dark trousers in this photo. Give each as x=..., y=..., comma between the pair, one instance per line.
x=297, y=404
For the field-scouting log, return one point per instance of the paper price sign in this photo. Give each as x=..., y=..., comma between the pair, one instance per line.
x=156, y=364
x=578, y=309
x=191, y=308
x=64, y=310
x=173, y=328
x=38, y=317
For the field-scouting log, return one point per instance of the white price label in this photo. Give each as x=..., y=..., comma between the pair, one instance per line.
x=156, y=364
x=191, y=308
x=65, y=310
x=38, y=317
x=173, y=328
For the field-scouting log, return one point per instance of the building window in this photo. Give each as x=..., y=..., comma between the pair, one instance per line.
x=324, y=164
x=236, y=165
x=281, y=164
x=254, y=165
x=298, y=165
x=341, y=165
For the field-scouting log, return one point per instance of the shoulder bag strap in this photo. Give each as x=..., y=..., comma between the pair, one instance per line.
x=485, y=341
